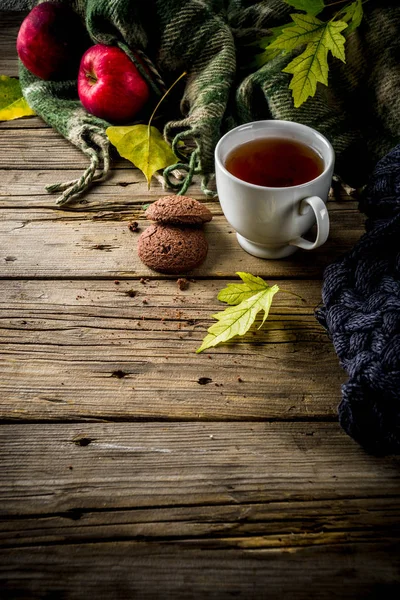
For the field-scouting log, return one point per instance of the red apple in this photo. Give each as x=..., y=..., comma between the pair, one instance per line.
x=51, y=41
x=109, y=84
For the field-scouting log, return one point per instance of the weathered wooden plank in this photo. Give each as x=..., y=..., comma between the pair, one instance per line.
x=60, y=245
x=49, y=381
x=122, y=190
x=28, y=149
x=9, y=26
x=69, y=346
x=30, y=122
x=91, y=299
x=23, y=123
x=127, y=465
x=157, y=571
x=43, y=148
x=270, y=525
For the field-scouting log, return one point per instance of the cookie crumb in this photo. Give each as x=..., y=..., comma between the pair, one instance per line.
x=182, y=283
x=240, y=380
x=133, y=226
x=116, y=282
x=131, y=293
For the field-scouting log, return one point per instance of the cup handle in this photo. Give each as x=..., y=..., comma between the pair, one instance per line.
x=322, y=219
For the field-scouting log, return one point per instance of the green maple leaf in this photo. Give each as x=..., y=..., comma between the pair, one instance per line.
x=306, y=28
x=12, y=104
x=319, y=37
x=353, y=15
x=311, y=66
x=308, y=69
x=144, y=146
x=309, y=29
x=266, y=42
x=312, y=7
x=248, y=300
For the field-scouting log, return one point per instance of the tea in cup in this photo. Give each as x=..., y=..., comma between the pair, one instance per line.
x=273, y=180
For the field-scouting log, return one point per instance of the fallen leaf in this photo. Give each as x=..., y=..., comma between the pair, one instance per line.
x=235, y=293
x=144, y=146
x=237, y=319
x=12, y=104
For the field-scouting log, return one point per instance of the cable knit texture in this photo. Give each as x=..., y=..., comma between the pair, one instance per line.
x=361, y=295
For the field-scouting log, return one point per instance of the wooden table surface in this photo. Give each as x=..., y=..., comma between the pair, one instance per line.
x=131, y=467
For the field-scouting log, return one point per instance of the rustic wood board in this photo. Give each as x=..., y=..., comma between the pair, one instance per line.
x=9, y=25
x=265, y=502
x=274, y=524
x=121, y=191
x=88, y=350
x=127, y=465
x=68, y=246
x=126, y=570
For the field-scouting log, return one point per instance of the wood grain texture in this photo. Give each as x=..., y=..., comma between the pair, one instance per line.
x=31, y=122
x=27, y=149
x=122, y=190
x=71, y=346
x=9, y=25
x=156, y=571
x=126, y=465
x=65, y=246
x=274, y=524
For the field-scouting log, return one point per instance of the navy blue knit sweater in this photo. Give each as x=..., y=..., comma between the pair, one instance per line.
x=361, y=295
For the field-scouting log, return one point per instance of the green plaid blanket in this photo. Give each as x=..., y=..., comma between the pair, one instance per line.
x=211, y=40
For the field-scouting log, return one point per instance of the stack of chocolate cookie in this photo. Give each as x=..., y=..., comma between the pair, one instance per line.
x=175, y=242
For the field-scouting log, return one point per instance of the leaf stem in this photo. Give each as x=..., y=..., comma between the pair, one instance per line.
x=346, y=3
x=166, y=93
x=293, y=294
x=338, y=2
x=154, y=112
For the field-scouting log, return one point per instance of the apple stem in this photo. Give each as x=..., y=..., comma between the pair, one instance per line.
x=91, y=77
x=166, y=93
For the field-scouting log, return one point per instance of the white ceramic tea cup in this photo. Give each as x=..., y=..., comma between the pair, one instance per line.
x=270, y=221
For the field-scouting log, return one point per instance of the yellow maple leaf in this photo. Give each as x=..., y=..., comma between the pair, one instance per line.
x=12, y=104
x=144, y=146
